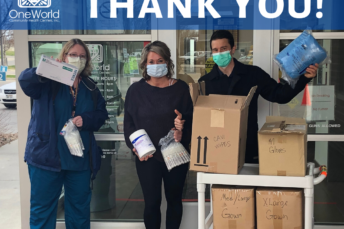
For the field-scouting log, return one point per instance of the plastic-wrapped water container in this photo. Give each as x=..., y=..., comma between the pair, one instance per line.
x=299, y=55
x=142, y=143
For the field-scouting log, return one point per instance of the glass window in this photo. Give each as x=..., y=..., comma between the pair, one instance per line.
x=328, y=195
x=321, y=101
x=194, y=53
x=116, y=194
x=314, y=30
x=55, y=32
x=87, y=32
x=78, y=17
x=115, y=68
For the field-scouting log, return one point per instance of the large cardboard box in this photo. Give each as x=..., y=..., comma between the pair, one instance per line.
x=233, y=207
x=279, y=208
x=60, y=72
x=283, y=147
x=219, y=132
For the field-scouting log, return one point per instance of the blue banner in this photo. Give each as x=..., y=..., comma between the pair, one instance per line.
x=292, y=15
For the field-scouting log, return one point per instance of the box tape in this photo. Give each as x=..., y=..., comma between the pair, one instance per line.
x=232, y=224
x=281, y=173
x=277, y=211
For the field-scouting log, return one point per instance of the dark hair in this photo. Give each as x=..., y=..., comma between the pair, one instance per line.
x=221, y=34
x=161, y=49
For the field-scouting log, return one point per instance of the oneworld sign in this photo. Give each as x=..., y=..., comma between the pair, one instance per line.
x=292, y=15
x=184, y=7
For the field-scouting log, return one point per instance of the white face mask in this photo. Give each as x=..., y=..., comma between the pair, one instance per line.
x=77, y=62
x=157, y=70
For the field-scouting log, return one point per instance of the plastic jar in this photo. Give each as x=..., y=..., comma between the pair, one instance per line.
x=142, y=143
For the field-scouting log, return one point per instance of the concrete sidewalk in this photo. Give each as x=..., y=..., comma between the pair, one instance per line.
x=9, y=187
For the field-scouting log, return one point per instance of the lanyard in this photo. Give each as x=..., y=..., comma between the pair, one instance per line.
x=75, y=95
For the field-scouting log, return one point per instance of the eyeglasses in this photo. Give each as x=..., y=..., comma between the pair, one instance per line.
x=74, y=55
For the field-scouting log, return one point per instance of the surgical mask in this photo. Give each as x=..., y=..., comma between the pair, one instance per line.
x=77, y=62
x=222, y=59
x=157, y=70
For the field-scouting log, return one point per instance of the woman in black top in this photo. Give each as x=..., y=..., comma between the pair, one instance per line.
x=152, y=104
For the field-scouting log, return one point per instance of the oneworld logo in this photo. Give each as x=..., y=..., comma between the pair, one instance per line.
x=34, y=3
x=34, y=15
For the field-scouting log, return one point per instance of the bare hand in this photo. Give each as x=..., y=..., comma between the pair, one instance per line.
x=58, y=60
x=312, y=71
x=177, y=135
x=77, y=121
x=143, y=158
x=178, y=122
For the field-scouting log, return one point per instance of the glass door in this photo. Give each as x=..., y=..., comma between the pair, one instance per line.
x=117, y=194
x=321, y=104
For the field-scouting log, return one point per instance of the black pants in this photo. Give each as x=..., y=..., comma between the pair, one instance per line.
x=151, y=173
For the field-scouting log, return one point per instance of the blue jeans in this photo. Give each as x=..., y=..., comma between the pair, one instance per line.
x=46, y=187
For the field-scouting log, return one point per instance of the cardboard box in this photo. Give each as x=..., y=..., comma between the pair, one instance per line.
x=233, y=207
x=54, y=70
x=283, y=147
x=279, y=208
x=196, y=89
x=219, y=132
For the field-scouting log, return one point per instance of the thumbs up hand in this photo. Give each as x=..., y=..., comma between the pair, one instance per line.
x=178, y=122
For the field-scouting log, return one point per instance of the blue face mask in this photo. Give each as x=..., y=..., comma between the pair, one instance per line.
x=157, y=70
x=222, y=59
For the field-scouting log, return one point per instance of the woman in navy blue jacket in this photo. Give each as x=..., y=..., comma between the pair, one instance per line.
x=50, y=163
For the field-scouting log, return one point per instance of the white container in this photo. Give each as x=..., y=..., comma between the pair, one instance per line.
x=142, y=143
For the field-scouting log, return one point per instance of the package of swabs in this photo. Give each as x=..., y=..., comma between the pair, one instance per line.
x=173, y=152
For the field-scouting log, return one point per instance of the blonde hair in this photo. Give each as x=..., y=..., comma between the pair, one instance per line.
x=70, y=44
x=161, y=49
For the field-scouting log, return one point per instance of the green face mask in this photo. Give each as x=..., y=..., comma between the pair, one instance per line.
x=222, y=59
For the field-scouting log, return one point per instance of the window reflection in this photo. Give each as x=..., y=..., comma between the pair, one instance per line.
x=321, y=101
x=194, y=58
x=115, y=68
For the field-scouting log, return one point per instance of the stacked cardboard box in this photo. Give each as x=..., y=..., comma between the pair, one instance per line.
x=236, y=207
x=218, y=146
x=279, y=208
x=283, y=147
x=233, y=207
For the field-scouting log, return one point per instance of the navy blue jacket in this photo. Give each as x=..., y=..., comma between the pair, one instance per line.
x=41, y=147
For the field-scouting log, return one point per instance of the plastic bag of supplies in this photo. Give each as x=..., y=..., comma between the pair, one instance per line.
x=299, y=55
x=73, y=139
x=173, y=152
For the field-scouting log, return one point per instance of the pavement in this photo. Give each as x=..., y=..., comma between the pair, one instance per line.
x=9, y=187
x=9, y=175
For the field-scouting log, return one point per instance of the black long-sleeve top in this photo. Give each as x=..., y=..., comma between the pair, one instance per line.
x=152, y=109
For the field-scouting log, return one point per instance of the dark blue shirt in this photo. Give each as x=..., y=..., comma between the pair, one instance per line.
x=223, y=83
x=63, y=111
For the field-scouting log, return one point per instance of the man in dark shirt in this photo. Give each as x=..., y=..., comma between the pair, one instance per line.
x=230, y=77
